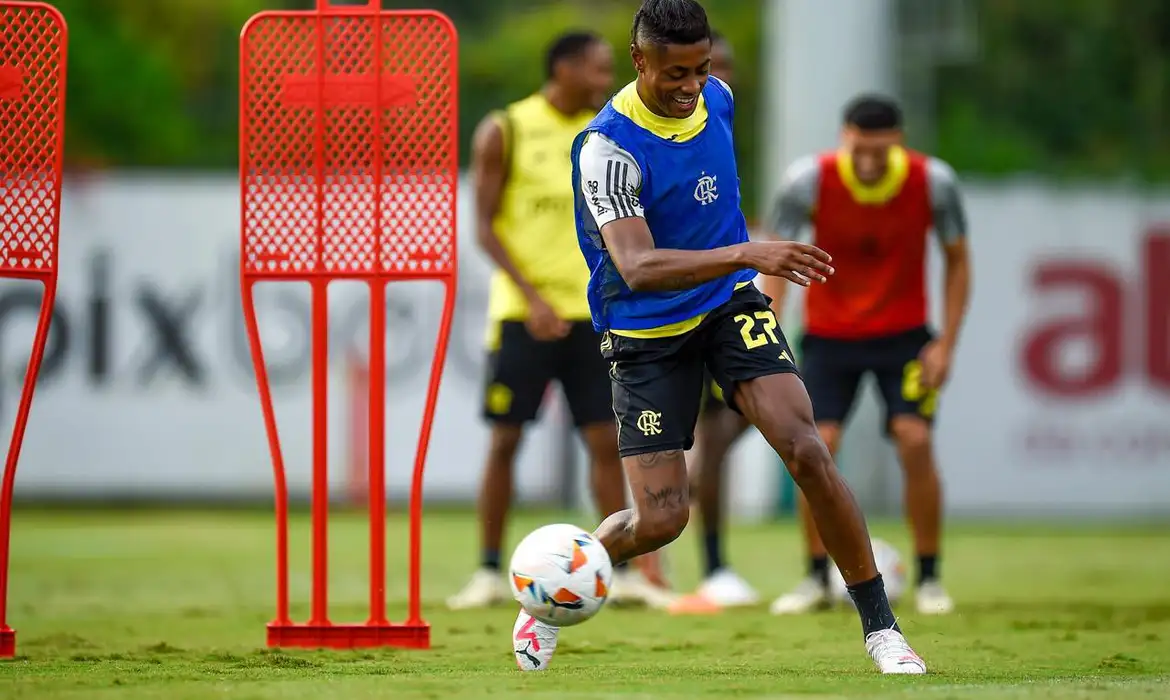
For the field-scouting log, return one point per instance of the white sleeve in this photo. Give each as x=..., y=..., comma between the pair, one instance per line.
x=950, y=216
x=610, y=180
x=797, y=199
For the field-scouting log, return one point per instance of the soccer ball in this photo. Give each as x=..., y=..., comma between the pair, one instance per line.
x=889, y=564
x=560, y=574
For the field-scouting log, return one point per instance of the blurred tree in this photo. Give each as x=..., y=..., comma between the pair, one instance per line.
x=154, y=84
x=1062, y=88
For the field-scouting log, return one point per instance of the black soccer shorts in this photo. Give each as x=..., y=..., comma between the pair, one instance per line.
x=713, y=400
x=520, y=369
x=658, y=382
x=833, y=368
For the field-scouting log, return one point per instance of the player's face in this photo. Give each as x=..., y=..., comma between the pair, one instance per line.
x=870, y=151
x=673, y=75
x=722, y=65
x=593, y=74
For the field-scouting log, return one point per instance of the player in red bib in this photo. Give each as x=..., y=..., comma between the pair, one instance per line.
x=872, y=205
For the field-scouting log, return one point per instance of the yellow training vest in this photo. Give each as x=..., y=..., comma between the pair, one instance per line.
x=535, y=222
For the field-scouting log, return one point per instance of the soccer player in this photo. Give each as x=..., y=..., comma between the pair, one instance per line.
x=873, y=203
x=659, y=222
x=538, y=315
x=716, y=432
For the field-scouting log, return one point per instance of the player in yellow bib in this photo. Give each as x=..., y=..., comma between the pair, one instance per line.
x=539, y=327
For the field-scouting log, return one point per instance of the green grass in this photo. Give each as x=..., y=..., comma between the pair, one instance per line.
x=144, y=604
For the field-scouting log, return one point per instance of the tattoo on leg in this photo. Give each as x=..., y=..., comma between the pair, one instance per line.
x=665, y=498
x=655, y=459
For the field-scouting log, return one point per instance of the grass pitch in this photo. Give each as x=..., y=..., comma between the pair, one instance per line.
x=149, y=604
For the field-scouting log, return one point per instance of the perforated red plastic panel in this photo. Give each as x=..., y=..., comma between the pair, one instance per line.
x=347, y=152
x=348, y=169
x=33, y=41
x=32, y=126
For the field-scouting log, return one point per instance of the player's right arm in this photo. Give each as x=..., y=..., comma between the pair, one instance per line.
x=610, y=182
x=491, y=175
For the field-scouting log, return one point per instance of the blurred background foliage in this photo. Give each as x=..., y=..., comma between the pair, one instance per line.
x=1064, y=88
x=1086, y=94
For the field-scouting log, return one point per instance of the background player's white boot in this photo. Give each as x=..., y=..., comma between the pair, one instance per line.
x=533, y=642
x=728, y=589
x=630, y=587
x=932, y=599
x=892, y=653
x=809, y=595
x=486, y=588
x=722, y=589
x=653, y=567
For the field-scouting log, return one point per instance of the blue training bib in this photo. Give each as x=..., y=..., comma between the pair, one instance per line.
x=690, y=194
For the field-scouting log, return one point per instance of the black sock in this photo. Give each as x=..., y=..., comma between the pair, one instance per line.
x=873, y=606
x=711, y=540
x=491, y=559
x=818, y=568
x=927, y=568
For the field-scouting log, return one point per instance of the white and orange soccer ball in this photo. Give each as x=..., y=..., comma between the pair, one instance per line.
x=890, y=565
x=560, y=574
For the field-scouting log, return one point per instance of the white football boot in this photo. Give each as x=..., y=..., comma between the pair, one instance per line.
x=653, y=567
x=728, y=589
x=533, y=642
x=630, y=587
x=892, y=653
x=722, y=589
x=487, y=587
x=932, y=599
x=809, y=595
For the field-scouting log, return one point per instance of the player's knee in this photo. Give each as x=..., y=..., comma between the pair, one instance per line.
x=912, y=436
x=830, y=434
x=696, y=480
x=808, y=459
x=704, y=470
x=601, y=441
x=505, y=441
x=602, y=470
x=659, y=526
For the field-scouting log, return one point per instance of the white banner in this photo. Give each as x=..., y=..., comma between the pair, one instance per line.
x=1060, y=399
x=1061, y=393
x=147, y=387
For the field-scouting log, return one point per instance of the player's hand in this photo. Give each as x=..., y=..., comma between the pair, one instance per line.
x=799, y=263
x=543, y=323
x=936, y=364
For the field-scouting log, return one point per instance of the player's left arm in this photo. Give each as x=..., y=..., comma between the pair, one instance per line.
x=950, y=225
